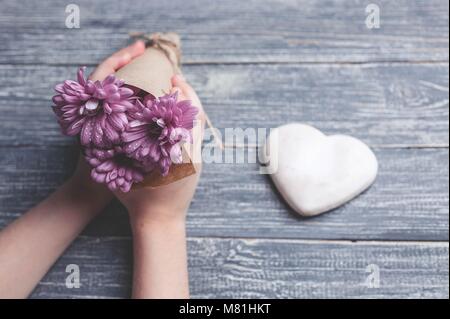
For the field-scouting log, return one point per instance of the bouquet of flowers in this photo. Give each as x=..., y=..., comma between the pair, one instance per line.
x=128, y=131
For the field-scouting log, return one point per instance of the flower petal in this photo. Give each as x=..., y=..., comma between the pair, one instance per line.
x=87, y=132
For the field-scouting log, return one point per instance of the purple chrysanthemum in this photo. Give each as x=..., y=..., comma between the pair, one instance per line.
x=95, y=110
x=156, y=130
x=114, y=168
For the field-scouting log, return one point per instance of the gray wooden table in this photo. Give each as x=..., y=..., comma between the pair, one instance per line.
x=255, y=64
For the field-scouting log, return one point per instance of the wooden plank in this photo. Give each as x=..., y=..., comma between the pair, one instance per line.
x=241, y=268
x=409, y=200
x=398, y=104
x=229, y=31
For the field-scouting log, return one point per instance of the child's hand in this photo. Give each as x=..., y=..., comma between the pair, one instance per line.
x=170, y=202
x=158, y=217
x=119, y=59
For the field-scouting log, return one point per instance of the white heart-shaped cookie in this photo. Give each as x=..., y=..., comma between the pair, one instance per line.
x=314, y=172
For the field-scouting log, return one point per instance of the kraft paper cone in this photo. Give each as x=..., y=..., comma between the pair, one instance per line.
x=152, y=72
x=176, y=172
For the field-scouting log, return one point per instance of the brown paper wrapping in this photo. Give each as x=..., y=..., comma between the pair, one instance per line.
x=152, y=72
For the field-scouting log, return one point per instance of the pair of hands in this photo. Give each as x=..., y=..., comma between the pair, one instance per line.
x=31, y=244
x=148, y=205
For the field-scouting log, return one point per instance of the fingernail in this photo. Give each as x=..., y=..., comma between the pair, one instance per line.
x=180, y=77
x=139, y=42
x=126, y=57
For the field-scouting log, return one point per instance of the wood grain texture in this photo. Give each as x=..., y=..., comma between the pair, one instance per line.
x=398, y=104
x=258, y=63
x=238, y=268
x=409, y=200
x=227, y=32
